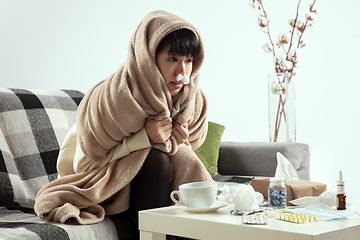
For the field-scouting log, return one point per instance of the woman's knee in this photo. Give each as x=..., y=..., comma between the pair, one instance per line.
x=158, y=162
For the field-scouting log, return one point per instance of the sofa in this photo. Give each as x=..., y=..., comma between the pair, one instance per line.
x=33, y=125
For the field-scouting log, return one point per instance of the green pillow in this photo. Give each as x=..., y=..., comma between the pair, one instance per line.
x=208, y=152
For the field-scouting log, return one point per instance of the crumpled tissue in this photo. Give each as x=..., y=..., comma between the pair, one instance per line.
x=185, y=78
x=243, y=196
x=328, y=198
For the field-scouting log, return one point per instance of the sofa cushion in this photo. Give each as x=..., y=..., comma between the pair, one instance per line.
x=33, y=125
x=208, y=152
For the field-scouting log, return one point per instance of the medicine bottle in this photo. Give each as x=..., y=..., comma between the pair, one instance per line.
x=277, y=193
x=340, y=197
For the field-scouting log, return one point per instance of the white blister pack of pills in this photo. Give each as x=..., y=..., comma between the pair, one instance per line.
x=255, y=219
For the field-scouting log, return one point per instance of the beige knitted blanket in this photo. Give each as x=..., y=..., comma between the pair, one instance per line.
x=118, y=107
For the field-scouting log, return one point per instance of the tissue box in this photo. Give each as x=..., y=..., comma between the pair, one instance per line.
x=294, y=189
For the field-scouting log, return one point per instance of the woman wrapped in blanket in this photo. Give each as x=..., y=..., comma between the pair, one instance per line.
x=135, y=131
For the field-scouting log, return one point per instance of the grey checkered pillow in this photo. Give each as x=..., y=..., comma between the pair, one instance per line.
x=33, y=126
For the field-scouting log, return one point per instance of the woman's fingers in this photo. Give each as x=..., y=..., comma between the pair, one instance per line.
x=180, y=132
x=158, y=131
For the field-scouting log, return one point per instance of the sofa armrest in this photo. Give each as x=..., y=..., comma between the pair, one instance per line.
x=259, y=158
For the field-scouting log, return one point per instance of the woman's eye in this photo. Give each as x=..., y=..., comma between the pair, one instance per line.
x=189, y=60
x=173, y=59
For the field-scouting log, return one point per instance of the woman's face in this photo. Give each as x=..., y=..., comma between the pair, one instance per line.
x=170, y=66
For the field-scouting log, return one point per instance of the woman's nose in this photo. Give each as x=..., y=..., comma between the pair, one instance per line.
x=181, y=68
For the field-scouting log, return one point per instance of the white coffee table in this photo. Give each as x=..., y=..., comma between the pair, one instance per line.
x=220, y=225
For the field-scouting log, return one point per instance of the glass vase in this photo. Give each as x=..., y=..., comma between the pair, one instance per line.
x=282, y=122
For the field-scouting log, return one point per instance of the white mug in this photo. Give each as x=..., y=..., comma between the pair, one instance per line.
x=196, y=194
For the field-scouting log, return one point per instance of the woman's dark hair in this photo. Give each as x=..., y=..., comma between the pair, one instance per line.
x=182, y=42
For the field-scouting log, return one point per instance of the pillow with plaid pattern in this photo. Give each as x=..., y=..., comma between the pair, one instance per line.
x=33, y=125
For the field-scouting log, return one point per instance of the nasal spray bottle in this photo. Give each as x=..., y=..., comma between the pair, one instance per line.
x=340, y=197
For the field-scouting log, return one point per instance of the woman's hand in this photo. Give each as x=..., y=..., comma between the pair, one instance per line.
x=158, y=131
x=181, y=132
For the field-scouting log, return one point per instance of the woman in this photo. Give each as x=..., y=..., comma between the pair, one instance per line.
x=127, y=148
x=174, y=56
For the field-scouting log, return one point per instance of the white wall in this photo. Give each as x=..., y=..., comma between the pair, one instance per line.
x=74, y=44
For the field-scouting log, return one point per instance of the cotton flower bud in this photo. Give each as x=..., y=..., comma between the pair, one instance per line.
x=278, y=88
x=288, y=65
x=268, y=47
x=300, y=26
x=283, y=39
x=310, y=16
x=293, y=54
x=285, y=66
x=292, y=22
x=278, y=60
x=263, y=22
x=254, y=3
